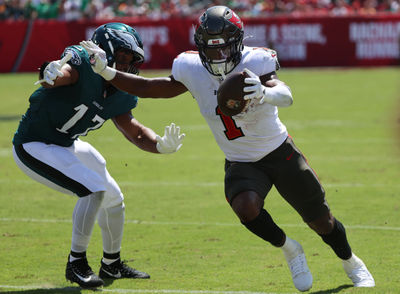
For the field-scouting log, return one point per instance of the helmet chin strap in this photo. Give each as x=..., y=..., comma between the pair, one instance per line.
x=221, y=71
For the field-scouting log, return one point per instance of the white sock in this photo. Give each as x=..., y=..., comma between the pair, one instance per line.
x=108, y=261
x=290, y=247
x=71, y=258
x=352, y=262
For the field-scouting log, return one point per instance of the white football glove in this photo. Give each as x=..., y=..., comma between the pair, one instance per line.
x=98, y=60
x=171, y=141
x=53, y=70
x=255, y=89
x=278, y=95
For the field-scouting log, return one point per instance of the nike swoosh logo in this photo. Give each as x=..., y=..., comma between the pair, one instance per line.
x=83, y=279
x=290, y=156
x=117, y=275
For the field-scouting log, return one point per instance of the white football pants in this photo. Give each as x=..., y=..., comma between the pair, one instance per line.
x=78, y=170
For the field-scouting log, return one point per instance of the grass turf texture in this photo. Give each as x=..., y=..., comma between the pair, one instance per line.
x=179, y=227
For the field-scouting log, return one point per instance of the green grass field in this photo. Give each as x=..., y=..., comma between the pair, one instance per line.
x=179, y=227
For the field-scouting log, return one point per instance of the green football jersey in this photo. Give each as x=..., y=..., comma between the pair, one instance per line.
x=60, y=115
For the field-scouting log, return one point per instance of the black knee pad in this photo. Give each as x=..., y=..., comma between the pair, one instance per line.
x=264, y=227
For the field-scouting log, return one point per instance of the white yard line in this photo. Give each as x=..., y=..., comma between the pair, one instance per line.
x=167, y=223
x=179, y=291
x=216, y=184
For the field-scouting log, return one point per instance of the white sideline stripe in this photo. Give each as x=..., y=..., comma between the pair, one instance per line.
x=70, y=289
x=166, y=223
x=221, y=183
x=5, y=152
x=216, y=184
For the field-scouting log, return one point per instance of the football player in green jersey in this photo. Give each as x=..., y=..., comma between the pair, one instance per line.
x=48, y=149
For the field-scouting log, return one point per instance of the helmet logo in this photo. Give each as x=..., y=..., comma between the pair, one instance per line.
x=127, y=39
x=233, y=18
x=215, y=42
x=76, y=59
x=110, y=45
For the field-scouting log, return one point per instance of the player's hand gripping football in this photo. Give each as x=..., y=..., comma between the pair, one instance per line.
x=171, y=141
x=277, y=93
x=98, y=60
x=53, y=70
x=254, y=88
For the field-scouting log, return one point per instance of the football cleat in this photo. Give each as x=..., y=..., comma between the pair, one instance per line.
x=80, y=272
x=119, y=270
x=297, y=263
x=358, y=272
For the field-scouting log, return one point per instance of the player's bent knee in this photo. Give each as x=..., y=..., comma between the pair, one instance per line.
x=247, y=205
x=323, y=225
x=116, y=209
x=112, y=200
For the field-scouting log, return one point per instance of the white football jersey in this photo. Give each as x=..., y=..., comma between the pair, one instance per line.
x=248, y=136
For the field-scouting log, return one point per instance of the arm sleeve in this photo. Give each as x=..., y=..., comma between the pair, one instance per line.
x=280, y=95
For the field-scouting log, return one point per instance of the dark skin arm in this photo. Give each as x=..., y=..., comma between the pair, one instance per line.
x=163, y=87
x=135, y=132
x=270, y=80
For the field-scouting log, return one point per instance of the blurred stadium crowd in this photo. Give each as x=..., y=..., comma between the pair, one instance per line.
x=161, y=9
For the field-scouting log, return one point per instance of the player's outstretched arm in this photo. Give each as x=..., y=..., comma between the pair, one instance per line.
x=160, y=87
x=163, y=87
x=171, y=141
x=145, y=138
x=277, y=93
x=57, y=73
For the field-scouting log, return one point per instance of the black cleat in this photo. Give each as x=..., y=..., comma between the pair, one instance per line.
x=80, y=272
x=119, y=270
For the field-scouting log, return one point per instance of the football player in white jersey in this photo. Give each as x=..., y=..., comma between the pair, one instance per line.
x=259, y=152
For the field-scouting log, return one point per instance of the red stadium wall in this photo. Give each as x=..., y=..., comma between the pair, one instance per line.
x=299, y=41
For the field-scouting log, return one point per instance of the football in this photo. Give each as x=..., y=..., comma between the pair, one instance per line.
x=230, y=94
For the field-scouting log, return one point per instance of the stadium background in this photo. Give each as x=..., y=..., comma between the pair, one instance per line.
x=178, y=225
x=304, y=32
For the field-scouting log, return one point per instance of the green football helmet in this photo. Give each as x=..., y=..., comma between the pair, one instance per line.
x=114, y=36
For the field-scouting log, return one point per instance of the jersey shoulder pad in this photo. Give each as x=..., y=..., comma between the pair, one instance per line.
x=266, y=55
x=188, y=57
x=185, y=62
x=79, y=55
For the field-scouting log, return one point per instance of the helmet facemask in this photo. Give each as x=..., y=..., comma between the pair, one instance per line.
x=221, y=59
x=113, y=37
x=127, y=61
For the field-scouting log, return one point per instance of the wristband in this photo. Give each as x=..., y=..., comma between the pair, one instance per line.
x=108, y=73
